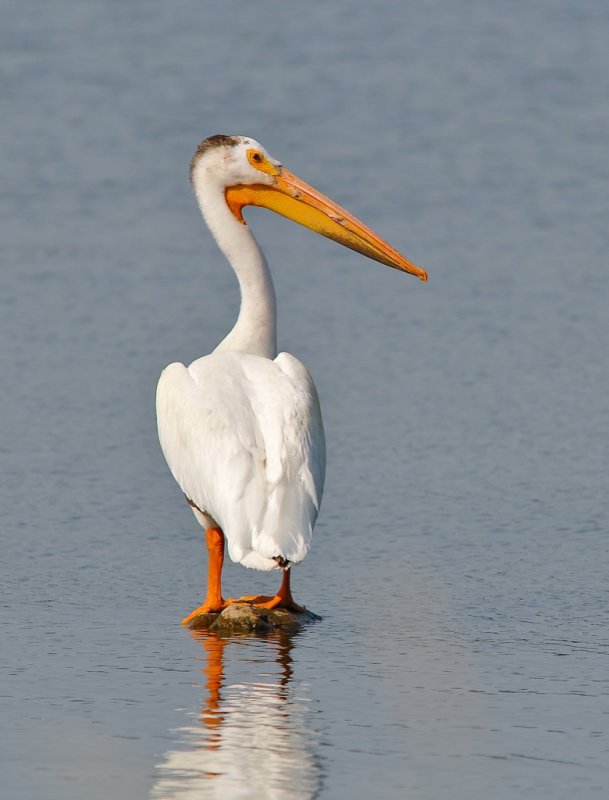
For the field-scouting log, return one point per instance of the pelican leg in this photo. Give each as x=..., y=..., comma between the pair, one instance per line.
x=213, y=599
x=283, y=598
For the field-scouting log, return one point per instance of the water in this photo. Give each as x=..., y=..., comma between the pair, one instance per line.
x=460, y=559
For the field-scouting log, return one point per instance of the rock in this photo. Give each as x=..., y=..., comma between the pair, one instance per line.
x=246, y=618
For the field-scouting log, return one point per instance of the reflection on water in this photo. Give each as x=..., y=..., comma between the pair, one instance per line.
x=253, y=736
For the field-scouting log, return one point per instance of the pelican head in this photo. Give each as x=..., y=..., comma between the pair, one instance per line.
x=249, y=175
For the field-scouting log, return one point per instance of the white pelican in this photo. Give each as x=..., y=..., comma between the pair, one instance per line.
x=241, y=428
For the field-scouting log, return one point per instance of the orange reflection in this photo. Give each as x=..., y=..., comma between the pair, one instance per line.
x=211, y=717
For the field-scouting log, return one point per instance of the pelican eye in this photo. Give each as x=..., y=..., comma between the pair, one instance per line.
x=260, y=162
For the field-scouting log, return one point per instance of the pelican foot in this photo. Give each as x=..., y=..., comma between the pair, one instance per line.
x=276, y=601
x=208, y=607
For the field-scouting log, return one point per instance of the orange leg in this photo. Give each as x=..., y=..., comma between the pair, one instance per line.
x=213, y=599
x=283, y=598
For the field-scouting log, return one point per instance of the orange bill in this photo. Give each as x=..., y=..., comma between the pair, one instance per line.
x=293, y=198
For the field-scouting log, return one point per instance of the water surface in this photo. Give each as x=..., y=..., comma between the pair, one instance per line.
x=460, y=560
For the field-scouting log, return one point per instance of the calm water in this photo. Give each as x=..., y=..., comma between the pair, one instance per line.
x=461, y=556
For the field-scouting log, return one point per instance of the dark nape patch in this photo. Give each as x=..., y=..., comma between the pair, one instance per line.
x=217, y=140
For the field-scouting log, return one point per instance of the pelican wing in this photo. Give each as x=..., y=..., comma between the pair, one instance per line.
x=244, y=439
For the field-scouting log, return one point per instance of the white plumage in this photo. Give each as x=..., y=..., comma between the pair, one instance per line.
x=241, y=428
x=244, y=439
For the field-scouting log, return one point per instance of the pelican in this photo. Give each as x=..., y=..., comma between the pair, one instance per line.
x=241, y=428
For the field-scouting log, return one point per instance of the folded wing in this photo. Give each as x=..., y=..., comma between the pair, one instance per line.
x=244, y=439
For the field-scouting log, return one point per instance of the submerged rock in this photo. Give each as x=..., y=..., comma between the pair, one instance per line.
x=246, y=618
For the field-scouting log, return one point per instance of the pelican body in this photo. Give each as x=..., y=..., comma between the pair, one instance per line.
x=241, y=428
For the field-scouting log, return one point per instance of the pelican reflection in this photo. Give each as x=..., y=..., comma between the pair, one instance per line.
x=253, y=736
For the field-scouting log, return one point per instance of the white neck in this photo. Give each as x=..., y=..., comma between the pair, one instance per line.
x=255, y=331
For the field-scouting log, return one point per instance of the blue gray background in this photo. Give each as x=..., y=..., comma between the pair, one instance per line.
x=460, y=560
